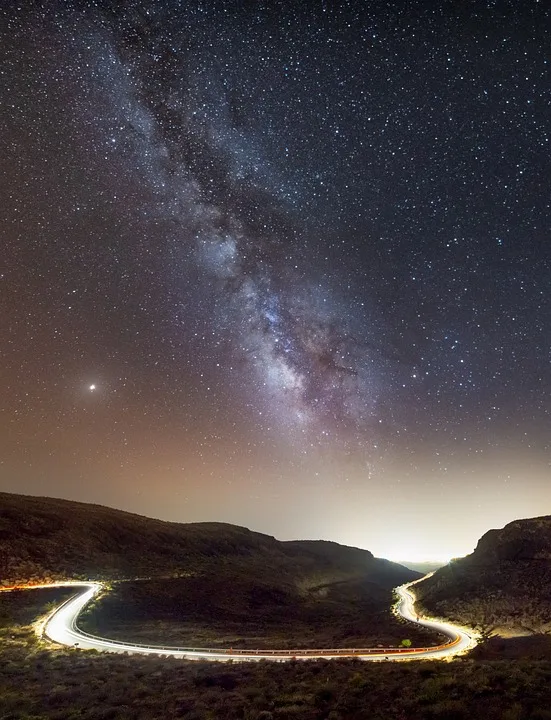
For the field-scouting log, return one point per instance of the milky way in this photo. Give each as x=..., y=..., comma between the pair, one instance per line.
x=305, y=366
x=297, y=253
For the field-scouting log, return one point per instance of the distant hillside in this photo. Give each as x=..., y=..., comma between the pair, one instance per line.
x=504, y=585
x=46, y=538
x=423, y=567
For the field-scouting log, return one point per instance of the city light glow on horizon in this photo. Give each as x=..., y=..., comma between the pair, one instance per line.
x=294, y=278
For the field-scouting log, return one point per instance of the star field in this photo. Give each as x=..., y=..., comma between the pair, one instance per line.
x=285, y=267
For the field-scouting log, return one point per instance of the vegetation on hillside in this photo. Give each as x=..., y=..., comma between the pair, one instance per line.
x=503, y=586
x=45, y=539
x=20, y=608
x=235, y=610
x=532, y=647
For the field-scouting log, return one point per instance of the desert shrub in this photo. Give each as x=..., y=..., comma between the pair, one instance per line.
x=358, y=681
x=290, y=712
x=325, y=694
x=448, y=710
x=226, y=681
x=514, y=713
x=540, y=714
x=432, y=690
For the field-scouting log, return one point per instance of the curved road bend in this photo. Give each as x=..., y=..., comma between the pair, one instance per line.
x=61, y=628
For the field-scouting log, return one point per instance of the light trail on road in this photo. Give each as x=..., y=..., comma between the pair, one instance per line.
x=61, y=628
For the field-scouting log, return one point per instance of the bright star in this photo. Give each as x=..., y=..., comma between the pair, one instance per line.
x=91, y=388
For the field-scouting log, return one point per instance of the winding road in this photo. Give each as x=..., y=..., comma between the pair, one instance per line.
x=61, y=627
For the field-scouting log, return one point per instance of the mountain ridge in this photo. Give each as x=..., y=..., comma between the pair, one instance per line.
x=47, y=538
x=503, y=586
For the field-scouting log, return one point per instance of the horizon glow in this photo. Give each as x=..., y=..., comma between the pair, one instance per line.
x=286, y=269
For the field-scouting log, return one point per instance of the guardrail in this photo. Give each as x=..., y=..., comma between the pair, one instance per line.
x=271, y=653
x=298, y=652
x=292, y=653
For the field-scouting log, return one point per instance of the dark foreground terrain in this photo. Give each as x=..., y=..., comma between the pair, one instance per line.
x=39, y=682
x=230, y=610
x=77, y=685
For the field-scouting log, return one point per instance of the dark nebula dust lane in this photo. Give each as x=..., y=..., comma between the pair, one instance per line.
x=276, y=266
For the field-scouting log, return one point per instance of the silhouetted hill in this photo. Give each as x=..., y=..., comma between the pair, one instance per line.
x=44, y=538
x=423, y=567
x=505, y=584
x=204, y=583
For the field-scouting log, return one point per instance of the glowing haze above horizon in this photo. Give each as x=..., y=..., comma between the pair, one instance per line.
x=284, y=268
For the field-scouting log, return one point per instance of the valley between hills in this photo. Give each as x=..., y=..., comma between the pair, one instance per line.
x=215, y=584
x=205, y=584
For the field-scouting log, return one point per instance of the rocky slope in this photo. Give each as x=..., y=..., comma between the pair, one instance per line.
x=503, y=586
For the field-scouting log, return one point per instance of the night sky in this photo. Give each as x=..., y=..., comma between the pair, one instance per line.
x=283, y=267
